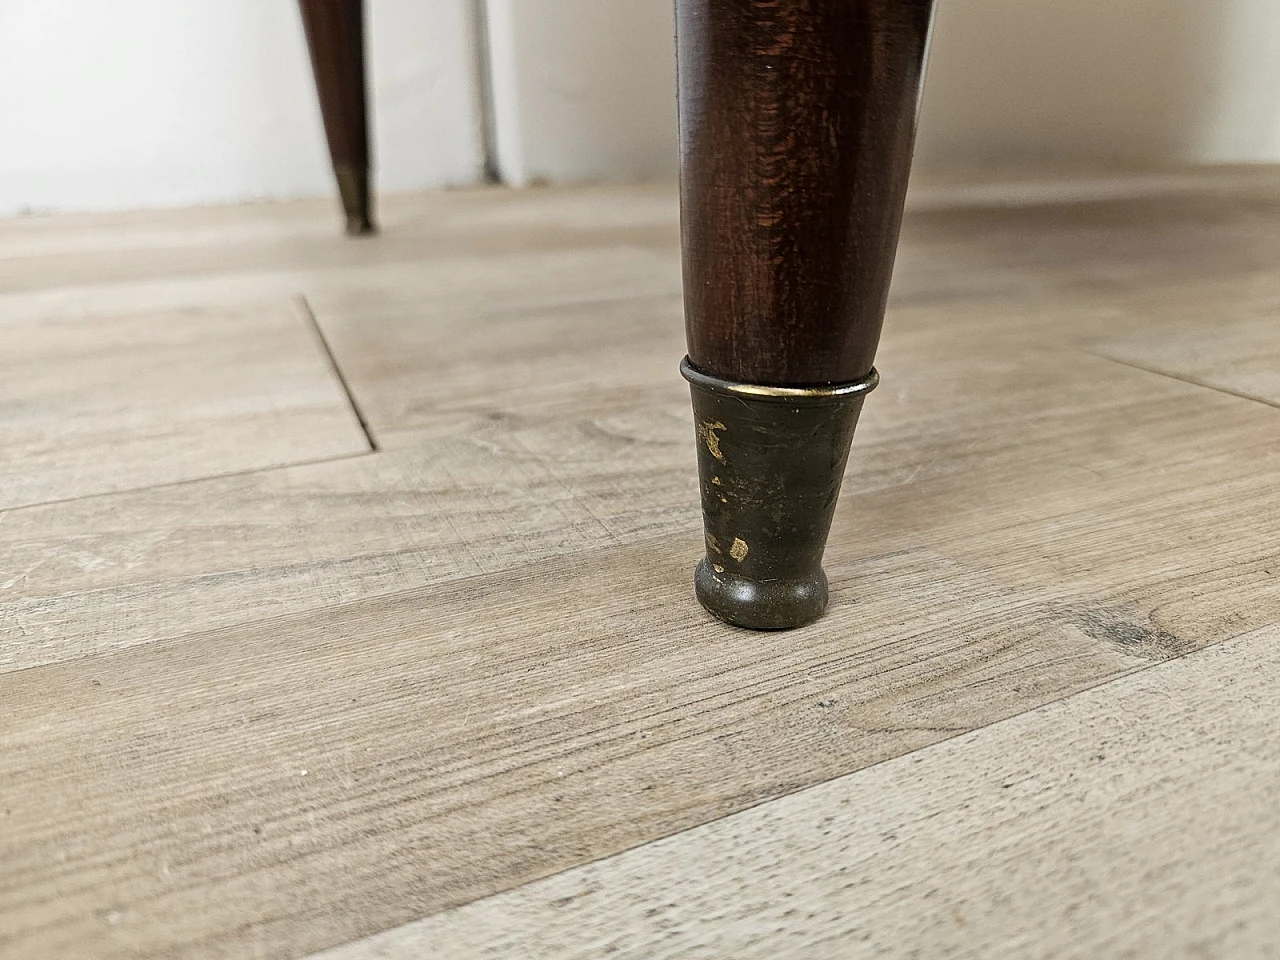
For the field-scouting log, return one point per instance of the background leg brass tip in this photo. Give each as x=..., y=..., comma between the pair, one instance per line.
x=770, y=464
x=357, y=204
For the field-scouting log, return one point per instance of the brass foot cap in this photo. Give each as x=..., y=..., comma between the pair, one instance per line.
x=770, y=463
x=760, y=604
x=357, y=204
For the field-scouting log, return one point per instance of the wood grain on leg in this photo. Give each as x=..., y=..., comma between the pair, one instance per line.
x=797, y=121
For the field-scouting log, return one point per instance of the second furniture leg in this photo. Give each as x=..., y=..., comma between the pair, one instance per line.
x=335, y=37
x=797, y=122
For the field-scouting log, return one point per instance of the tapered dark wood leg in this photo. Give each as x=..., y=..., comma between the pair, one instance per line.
x=335, y=37
x=797, y=122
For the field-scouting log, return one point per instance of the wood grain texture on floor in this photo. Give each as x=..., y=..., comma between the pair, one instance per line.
x=1137, y=819
x=93, y=403
x=1236, y=351
x=262, y=714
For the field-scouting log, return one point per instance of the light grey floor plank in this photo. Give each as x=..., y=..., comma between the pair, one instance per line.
x=95, y=402
x=467, y=736
x=1135, y=820
x=480, y=642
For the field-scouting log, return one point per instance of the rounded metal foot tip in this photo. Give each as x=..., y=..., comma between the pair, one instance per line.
x=360, y=227
x=760, y=604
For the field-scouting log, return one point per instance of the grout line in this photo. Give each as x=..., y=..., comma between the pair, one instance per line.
x=248, y=472
x=311, y=320
x=314, y=326
x=1191, y=381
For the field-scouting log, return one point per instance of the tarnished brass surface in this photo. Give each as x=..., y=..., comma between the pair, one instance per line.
x=353, y=185
x=770, y=464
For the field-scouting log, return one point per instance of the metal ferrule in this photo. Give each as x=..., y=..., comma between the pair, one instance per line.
x=770, y=462
x=353, y=188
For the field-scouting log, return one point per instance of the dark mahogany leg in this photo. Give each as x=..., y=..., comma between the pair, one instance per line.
x=797, y=121
x=335, y=36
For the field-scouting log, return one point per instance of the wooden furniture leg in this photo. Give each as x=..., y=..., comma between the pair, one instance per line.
x=797, y=122
x=335, y=37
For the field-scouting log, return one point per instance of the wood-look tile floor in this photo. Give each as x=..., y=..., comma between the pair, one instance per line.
x=345, y=592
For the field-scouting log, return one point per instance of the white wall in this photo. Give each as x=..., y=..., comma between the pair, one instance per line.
x=147, y=102
x=1098, y=82
x=583, y=89
x=170, y=102
x=588, y=85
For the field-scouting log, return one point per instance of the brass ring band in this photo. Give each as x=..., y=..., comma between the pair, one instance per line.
x=835, y=391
